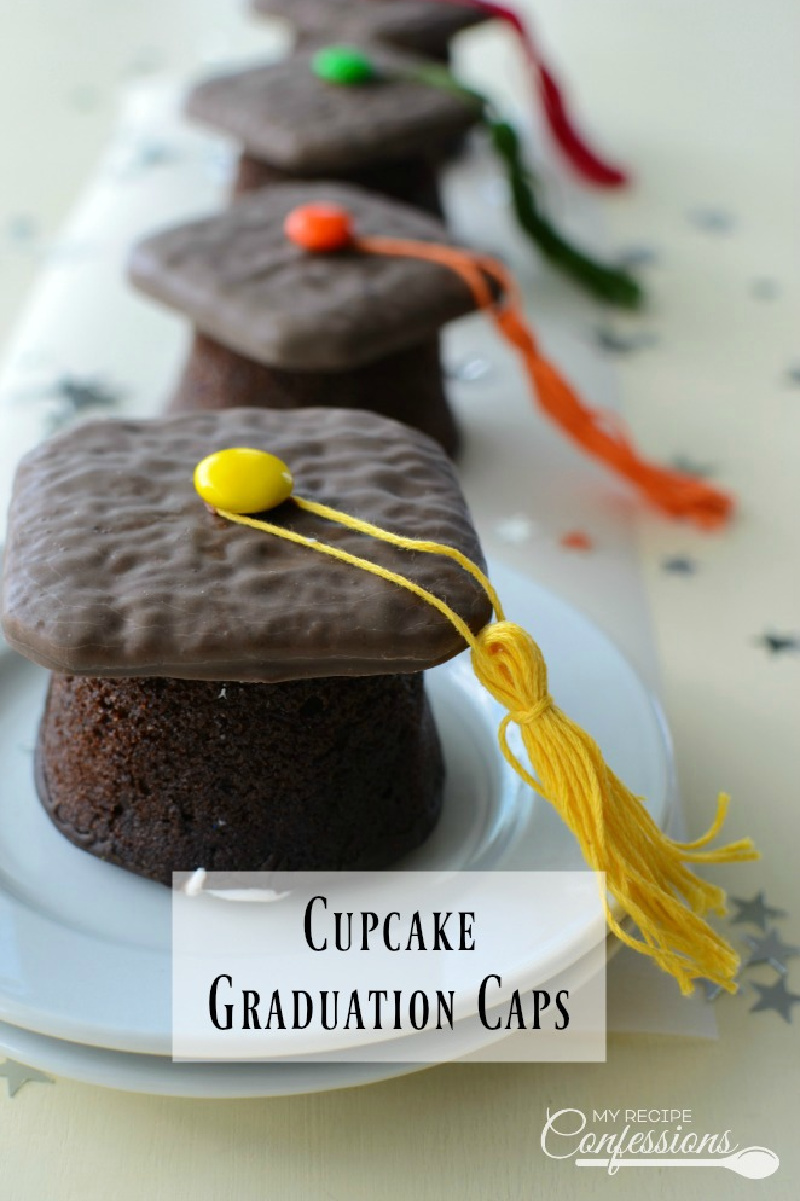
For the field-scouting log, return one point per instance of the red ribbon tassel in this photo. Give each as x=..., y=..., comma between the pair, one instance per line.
x=588, y=164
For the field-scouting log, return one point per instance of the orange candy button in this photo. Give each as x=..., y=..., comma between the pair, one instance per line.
x=319, y=227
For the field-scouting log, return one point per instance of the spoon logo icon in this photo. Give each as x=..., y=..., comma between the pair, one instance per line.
x=754, y=1163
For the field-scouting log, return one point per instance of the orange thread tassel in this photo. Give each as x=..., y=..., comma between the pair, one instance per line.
x=600, y=433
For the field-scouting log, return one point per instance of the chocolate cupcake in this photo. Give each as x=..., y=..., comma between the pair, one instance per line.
x=221, y=698
x=279, y=328
x=424, y=26
x=390, y=135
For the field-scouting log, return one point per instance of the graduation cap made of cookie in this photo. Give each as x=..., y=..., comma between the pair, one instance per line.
x=219, y=700
x=419, y=25
x=160, y=549
x=374, y=118
x=427, y=27
x=292, y=124
x=320, y=279
x=113, y=568
x=280, y=328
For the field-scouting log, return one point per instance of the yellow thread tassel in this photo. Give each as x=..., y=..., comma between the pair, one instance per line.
x=646, y=873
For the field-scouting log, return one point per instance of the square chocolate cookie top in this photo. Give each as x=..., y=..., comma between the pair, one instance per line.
x=412, y=24
x=282, y=113
x=115, y=567
x=242, y=282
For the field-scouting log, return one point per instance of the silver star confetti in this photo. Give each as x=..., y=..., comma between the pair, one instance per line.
x=679, y=565
x=689, y=466
x=86, y=393
x=777, y=997
x=635, y=257
x=712, y=989
x=712, y=220
x=137, y=157
x=776, y=644
x=76, y=395
x=754, y=912
x=614, y=342
x=770, y=948
x=22, y=229
x=17, y=1075
x=764, y=289
x=74, y=392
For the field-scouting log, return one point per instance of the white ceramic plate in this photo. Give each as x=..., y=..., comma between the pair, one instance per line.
x=159, y=1075
x=85, y=947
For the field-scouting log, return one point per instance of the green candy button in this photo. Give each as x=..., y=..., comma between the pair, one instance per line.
x=342, y=64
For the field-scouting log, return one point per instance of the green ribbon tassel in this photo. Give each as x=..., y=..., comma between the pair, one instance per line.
x=611, y=285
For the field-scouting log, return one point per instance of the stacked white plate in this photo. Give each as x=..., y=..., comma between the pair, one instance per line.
x=85, y=964
x=85, y=971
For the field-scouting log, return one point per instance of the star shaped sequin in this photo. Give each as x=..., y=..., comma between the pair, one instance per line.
x=22, y=228
x=765, y=289
x=712, y=220
x=137, y=157
x=778, y=644
x=18, y=1074
x=636, y=257
x=775, y=996
x=77, y=394
x=754, y=912
x=679, y=565
x=74, y=393
x=689, y=466
x=86, y=393
x=771, y=949
x=614, y=342
x=712, y=989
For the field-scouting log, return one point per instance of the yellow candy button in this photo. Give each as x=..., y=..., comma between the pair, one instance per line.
x=243, y=481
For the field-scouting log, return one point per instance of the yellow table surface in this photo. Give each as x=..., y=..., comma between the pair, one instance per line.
x=702, y=99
